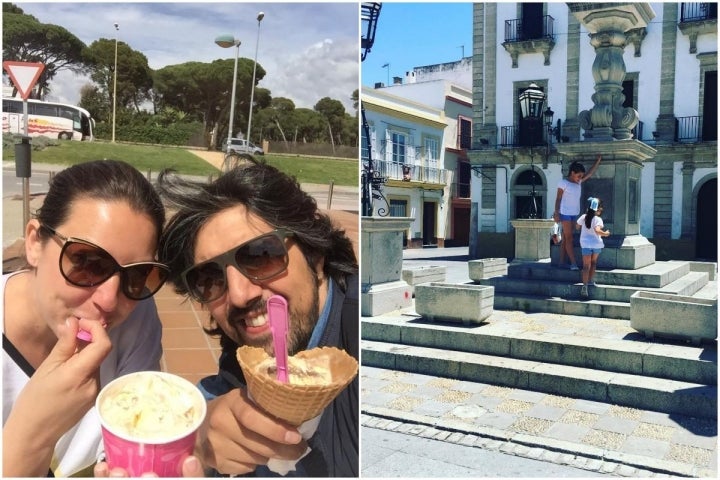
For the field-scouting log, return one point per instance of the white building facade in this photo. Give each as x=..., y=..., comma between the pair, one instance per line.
x=670, y=80
x=419, y=133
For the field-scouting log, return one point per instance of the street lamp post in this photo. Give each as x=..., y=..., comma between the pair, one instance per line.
x=260, y=16
x=370, y=178
x=117, y=28
x=227, y=41
x=531, y=102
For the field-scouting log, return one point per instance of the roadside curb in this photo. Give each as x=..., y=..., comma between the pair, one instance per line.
x=524, y=445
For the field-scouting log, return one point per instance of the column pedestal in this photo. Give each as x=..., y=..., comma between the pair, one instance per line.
x=532, y=239
x=383, y=289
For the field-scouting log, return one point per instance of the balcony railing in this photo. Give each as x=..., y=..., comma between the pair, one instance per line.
x=696, y=12
x=518, y=30
x=688, y=129
x=509, y=136
x=416, y=173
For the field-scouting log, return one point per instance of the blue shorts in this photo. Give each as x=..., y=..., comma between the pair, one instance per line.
x=590, y=251
x=567, y=218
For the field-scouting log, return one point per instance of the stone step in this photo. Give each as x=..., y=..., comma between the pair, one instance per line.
x=636, y=391
x=686, y=285
x=709, y=291
x=621, y=353
x=656, y=275
x=568, y=304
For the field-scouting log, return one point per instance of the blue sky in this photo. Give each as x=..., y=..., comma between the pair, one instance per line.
x=417, y=34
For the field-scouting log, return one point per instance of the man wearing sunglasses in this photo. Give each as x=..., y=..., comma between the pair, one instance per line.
x=234, y=243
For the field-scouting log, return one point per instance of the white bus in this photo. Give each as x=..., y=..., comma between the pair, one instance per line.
x=49, y=119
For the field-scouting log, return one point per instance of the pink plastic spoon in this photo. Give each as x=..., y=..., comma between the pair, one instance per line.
x=278, y=317
x=84, y=335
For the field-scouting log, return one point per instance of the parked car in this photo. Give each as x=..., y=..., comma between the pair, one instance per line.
x=240, y=145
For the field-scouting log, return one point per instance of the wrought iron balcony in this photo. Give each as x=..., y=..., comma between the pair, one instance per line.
x=687, y=129
x=697, y=12
x=411, y=173
x=697, y=19
x=518, y=30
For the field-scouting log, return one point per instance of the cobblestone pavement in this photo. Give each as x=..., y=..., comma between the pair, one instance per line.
x=584, y=434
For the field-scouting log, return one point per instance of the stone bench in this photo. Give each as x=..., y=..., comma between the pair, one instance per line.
x=484, y=268
x=469, y=304
x=674, y=316
x=423, y=274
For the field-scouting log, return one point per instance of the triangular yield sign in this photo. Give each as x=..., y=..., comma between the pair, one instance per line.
x=24, y=75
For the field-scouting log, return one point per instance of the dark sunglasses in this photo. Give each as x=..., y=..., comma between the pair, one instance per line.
x=261, y=258
x=84, y=264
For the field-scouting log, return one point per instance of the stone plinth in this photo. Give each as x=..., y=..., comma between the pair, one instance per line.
x=469, y=304
x=674, y=316
x=383, y=289
x=532, y=239
x=485, y=268
x=617, y=183
x=423, y=274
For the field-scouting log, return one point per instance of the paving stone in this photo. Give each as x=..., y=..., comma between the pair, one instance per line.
x=429, y=432
x=546, y=412
x=626, y=471
x=608, y=467
x=568, y=432
x=527, y=396
x=646, y=447
x=591, y=407
x=691, y=455
x=496, y=419
x=617, y=425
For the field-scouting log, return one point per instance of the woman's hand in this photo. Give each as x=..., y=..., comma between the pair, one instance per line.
x=190, y=468
x=237, y=436
x=56, y=397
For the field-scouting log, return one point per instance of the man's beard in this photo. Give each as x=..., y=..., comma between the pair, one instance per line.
x=300, y=325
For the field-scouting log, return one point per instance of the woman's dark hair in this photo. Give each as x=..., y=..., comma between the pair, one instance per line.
x=109, y=180
x=576, y=167
x=266, y=192
x=590, y=213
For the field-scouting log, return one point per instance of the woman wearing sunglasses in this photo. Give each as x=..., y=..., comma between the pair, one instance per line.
x=90, y=253
x=234, y=243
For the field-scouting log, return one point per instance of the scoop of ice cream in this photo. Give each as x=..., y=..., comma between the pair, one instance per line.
x=301, y=371
x=149, y=407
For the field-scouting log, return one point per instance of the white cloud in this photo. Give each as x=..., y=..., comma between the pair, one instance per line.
x=308, y=50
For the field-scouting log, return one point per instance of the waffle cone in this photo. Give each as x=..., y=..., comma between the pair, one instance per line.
x=295, y=404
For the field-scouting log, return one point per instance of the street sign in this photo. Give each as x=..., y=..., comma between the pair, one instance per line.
x=24, y=75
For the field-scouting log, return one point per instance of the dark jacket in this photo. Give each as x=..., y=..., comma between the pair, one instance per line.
x=335, y=443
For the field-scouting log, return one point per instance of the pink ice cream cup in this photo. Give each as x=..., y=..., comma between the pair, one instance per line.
x=149, y=422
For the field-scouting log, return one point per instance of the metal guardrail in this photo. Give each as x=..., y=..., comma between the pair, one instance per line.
x=520, y=30
x=696, y=12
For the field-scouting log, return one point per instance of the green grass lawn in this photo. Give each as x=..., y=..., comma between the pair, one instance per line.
x=156, y=158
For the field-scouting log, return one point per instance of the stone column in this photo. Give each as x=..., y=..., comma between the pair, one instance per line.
x=383, y=289
x=607, y=25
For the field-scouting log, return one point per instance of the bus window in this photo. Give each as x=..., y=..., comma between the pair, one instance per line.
x=12, y=106
x=48, y=110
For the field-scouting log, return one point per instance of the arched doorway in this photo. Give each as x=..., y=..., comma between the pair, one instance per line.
x=525, y=204
x=706, y=221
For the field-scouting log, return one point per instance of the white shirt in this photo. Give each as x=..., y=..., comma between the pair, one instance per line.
x=589, y=238
x=570, y=201
x=136, y=347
